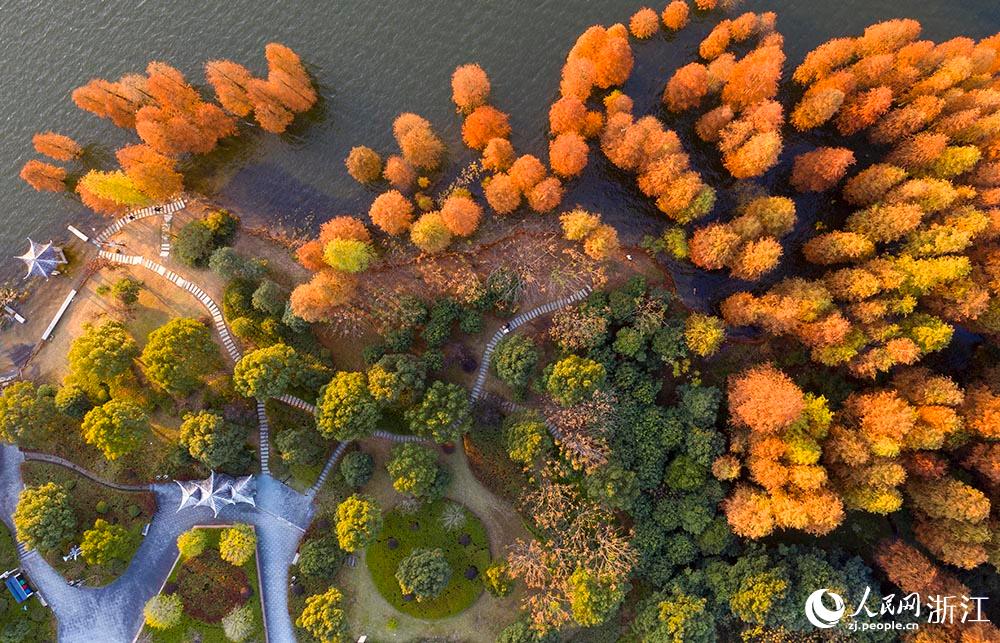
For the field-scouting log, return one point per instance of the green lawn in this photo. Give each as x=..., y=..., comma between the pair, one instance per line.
x=129, y=509
x=460, y=592
x=191, y=629
x=40, y=622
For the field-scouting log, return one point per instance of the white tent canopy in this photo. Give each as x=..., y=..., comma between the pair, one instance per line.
x=216, y=492
x=42, y=259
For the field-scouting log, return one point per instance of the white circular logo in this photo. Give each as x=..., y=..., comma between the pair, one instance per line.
x=817, y=612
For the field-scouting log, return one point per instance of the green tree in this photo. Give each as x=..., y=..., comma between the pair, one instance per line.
x=320, y=557
x=592, y=600
x=573, y=379
x=359, y=519
x=514, y=360
x=526, y=437
x=71, y=400
x=163, y=611
x=127, y=290
x=269, y=298
x=116, y=428
x=102, y=353
x=44, y=518
x=230, y=265
x=179, y=354
x=105, y=543
x=346, y=409
x=675, y=616
x=397, y=379
x=237, y=544
x=349, y=255
x=240, y=624
x=443, y=414
x=266, y=372
x=521, y=631
x=194, y=244
x=323, y=617
x=192, y=543
x=357, y=468
x=414, y=470
x=26, y=413
x=300, y=446
x=704, y=334
x=213, y=441
x=497, y=579
x=424, y=573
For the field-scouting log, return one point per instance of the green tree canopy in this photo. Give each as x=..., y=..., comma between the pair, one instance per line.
x=266, y=372
x=359, y=519
x=116, y=428
x=163, y=611
x=269, y=298
x=514, y=360
x=212, y=441
x=105, y=543
x=592, y=600
x=302, y=446
x=414, y=471
x=72, y=400
x=320, y=557
x=237, y=544
x=357, y=467
x=44, y=518
x=443, y=414
x=397, y=378
x=229, y=264
x=573, y=379
x=179, y=354
x=323, y=616
x=102, y=353
x=424, y=573
x=526, y=437
x=192, y=543
x=26, y=413
x=346, y=409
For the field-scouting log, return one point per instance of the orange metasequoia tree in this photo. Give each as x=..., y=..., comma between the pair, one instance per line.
x=821, y=169
x=44, y=177
x=392, y=212
x=56, y=146
x=470, y=87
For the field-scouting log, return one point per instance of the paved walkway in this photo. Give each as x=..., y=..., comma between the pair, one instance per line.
x=54, y=459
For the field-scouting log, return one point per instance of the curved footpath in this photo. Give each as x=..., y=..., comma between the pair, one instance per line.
x=280, y=516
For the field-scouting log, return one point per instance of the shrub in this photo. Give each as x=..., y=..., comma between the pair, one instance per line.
x=72, y=400
x=209, y=587
x=213, y=441
x=357, y=468
x=127, y=290
x=230, y=265
x=424, y=573
x=240, y=624
x=194, y=244
x=163, y=611
x=349, y=255
x=192, y=543
x=414, y=471
x=704, y=334
x=299, y=446
x=430, y=233
x=237, y=544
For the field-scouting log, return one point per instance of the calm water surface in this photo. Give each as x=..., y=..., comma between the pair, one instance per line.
x=372, y=59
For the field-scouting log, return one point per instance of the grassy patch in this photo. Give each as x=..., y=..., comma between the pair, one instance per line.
x=129, y=509
x=41, y=622
x=430, y=533
x=493, y=468
x=191, y=629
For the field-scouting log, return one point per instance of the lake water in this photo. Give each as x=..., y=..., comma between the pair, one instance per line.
x=372, y=59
